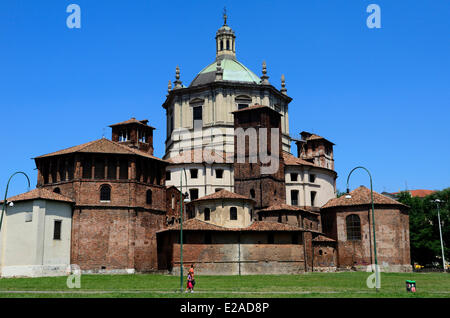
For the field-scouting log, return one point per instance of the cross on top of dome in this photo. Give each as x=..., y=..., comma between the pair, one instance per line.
x=225, y=16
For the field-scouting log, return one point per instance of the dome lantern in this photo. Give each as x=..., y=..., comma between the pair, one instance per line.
x=225, y=40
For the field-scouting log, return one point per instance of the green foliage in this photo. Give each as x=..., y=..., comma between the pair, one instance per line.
x=423, y=226
x=340, y=194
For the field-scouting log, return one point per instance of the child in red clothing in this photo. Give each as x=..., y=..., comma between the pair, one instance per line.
x=189, y=283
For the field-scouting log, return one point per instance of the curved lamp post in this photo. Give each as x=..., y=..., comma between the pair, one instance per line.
x=181, y=226
x=377, y=273
x=5, y=206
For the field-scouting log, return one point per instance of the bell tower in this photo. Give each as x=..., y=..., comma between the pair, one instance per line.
x=225, y=40
x=250, y=177
x=135, y=134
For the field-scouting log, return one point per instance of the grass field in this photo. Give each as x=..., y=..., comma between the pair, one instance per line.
x=344, y=284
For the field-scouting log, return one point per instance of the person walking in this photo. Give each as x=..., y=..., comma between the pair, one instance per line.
x=191, y=272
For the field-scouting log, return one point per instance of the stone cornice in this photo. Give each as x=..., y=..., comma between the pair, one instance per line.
x=222, y=84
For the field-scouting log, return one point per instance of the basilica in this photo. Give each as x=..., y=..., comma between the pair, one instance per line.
x=112, y=206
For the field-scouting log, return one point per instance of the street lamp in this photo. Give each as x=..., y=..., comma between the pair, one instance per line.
x=437, y=201
x=181, y=226
x=348, y=196
x=5, y=206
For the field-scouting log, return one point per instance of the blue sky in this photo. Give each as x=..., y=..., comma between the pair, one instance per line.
x=381, y=95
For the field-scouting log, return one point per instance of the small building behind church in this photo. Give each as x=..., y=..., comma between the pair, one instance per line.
x=36, y=235
x=348, y=220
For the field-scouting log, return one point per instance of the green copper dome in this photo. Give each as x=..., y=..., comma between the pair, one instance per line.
x=233, y=71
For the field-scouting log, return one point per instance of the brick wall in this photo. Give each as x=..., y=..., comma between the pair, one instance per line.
x=269, y=189
x=325, y=256
x=392, y=237
x=120, y=233
x=231, y=253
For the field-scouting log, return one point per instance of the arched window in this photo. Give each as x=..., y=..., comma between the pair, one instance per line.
x=221, y=45
x=105, y=193
x=228, y=44
x=233, y=213
x=353, y=227
x=252, y=193
x=207, y=214
x=149, y=197
x=57, y=190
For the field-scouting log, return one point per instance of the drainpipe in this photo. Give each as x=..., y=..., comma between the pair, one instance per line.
x=312, y=254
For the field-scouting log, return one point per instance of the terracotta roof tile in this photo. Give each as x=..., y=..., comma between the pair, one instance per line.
x=272, y=226
x=291, y=160
x=310, y=136
x=361, y=196
x=195, y=224
x=198, y=225
x=284, y=207
x=133, y=120
x=421, y=193
x=222, y=194
x=39, y=193
x=101, y=146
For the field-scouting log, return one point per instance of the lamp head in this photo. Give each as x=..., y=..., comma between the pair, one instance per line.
x=186, y=197
x=348, y=195
x=11, y=204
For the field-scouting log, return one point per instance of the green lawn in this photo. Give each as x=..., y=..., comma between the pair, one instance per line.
x=345, y=284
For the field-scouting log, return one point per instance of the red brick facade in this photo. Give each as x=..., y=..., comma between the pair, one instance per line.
x=265, y=189
x=392, y=236
x=116, y=231
x=125, y=218
x=234, y=253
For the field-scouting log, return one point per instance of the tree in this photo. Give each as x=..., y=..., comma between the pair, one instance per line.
x=339, y=193
x=424, y=229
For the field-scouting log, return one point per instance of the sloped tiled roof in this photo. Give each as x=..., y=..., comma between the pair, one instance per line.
x=421, y=193
x=361, y=196
x=312, y=136
x=101, y=146
x=284, y=207
x=39, y=193
x=198, y=225
x=271, y=226
x=222, y=194
x=291, y=160
x=133, y=121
